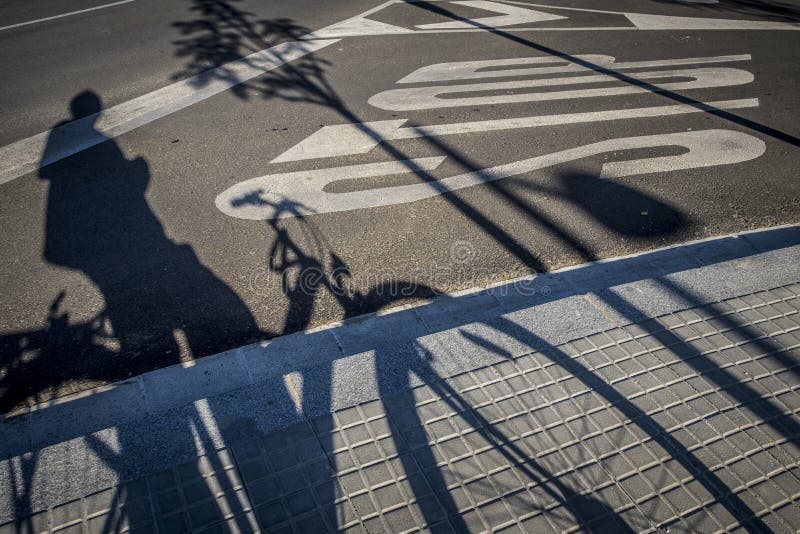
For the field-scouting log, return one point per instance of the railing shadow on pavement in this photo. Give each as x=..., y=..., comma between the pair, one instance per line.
x=225, y=32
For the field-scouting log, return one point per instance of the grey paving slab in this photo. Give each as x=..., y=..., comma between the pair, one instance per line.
x=558, y=322
x=271, y=359
x=678, y=289
x=14, y=436
x=199, y=379
x=84, y=415
x=687, y=421
x=379, y=330
x=770, y=240
x=538, y=289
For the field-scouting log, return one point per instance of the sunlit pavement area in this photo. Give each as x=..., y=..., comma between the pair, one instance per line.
x=653, y=392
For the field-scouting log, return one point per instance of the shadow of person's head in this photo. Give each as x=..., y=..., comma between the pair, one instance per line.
x=85, y=104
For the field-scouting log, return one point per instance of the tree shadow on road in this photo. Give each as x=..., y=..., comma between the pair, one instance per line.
x=222, y=33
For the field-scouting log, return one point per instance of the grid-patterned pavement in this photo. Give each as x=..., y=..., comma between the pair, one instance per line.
x=688, y=422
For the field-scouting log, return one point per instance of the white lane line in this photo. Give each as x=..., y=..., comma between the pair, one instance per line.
x=24, y=156
x=464, y=70
x=19, y=25
x=360, y=138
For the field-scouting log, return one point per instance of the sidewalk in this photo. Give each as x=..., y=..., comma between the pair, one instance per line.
x=658, y=391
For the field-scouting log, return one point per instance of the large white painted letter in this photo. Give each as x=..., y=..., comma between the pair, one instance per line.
x=412, y=98
x=511, y=67
x=295, y=193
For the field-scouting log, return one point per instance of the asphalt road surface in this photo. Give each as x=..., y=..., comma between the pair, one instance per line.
x=181, y=178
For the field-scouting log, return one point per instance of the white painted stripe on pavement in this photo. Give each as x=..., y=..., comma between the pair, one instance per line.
x=645, y=21
x=359, y=25
x=45, y=19
x=466, y=70
x=511, y=16
x=302, y=192
x=360, y=138
x=784, y=26
x=667, y=22
x=415, y=98
x=297, y=193
x=24, y=156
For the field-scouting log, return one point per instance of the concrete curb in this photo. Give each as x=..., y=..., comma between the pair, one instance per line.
x=554, y=305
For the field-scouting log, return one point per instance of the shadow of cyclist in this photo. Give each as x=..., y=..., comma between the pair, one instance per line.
x=159, y=298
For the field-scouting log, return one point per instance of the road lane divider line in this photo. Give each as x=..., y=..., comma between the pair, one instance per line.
x=71, y=13
x=359, y=138
x=26, y=155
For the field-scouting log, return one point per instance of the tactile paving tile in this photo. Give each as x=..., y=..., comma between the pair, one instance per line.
x=688, y=422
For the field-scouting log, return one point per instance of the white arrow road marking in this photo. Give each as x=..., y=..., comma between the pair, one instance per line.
x=409, y=98
x=644, y=21
x=467, y=70
x=360, y=26
x=511, y=16
x=295, y=193
x=360, y=138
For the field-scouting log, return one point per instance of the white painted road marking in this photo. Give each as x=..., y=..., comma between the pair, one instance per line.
x=294, y=193
x=466, y=70
x=360, y=25
x=511, y=16
x=415, y=98
x=290, y=194
x=644, y=21
x=667, y=22
x=45, y=19
x=22, y=157
x=360, y=138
